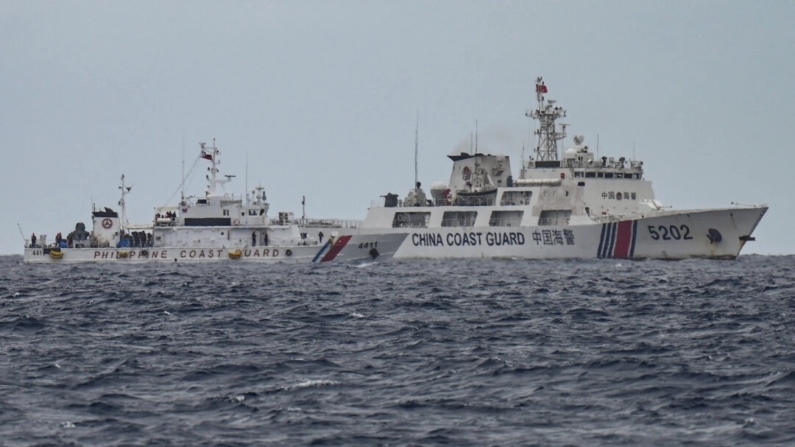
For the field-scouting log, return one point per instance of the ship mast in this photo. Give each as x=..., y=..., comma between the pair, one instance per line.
x=182, y=185
x=123, y=203
x=211, y=153
x=546, y=114
x=416, y=150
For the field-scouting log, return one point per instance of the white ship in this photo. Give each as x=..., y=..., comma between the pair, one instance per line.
x=214, y=227
x=577, y=207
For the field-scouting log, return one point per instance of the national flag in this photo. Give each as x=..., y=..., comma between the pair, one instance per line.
x=206, y=156
x=541, y=88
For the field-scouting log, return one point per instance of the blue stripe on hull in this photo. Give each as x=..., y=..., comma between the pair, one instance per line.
x=601, y=242
x=610, y=241
x=614, y=236
x=320, y=253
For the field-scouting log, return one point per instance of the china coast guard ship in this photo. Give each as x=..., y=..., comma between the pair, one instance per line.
x=215, y=227
x=579, y=206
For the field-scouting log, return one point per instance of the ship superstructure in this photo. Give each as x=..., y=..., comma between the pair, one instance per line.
x=611, y=185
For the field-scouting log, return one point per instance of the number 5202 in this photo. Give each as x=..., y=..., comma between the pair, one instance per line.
x=670, y=232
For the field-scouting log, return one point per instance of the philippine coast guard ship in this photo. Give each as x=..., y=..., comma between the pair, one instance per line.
x=215, y=227
x=577, y=207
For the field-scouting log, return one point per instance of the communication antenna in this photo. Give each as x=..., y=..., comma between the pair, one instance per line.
x=476, y=136
x=21, y=233
x=416, y=149
x=597, y=146
x=123, y=203
x=477, y=159
x=182, y=186
x=546, y=114
x=248, y=201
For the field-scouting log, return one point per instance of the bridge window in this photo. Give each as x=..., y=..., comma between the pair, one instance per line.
x=505, y=218
x=459, y=218
x=411, y=220
x=554, y=217
x=516, y=198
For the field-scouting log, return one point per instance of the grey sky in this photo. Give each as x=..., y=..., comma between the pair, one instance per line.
x=322, y=98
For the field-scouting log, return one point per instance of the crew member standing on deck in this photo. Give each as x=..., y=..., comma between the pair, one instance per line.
x=33, y=240
x=254, y=238
x=320, y=236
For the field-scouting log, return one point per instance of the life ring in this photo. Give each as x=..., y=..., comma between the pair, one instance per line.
x=236, y=222
x=122, y=254
x=56, y=254
x=107, y=223
x=466, y=173
x=288, y=252
x=235, y=254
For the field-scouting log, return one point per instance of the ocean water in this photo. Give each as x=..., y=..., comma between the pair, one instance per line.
x=459, y=353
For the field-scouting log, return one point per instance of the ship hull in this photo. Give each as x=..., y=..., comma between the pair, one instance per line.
x=359, y=247
x=711, y=234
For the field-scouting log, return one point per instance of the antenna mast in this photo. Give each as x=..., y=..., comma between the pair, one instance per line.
x=182, y=185
x=546, y=114
x=416, y=149
x=123, y=203
x=476, y=136
x=21, y=234
x=211, y=153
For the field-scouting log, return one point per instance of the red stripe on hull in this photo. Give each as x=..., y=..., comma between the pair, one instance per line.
x=336, y=248
x=623, y=239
